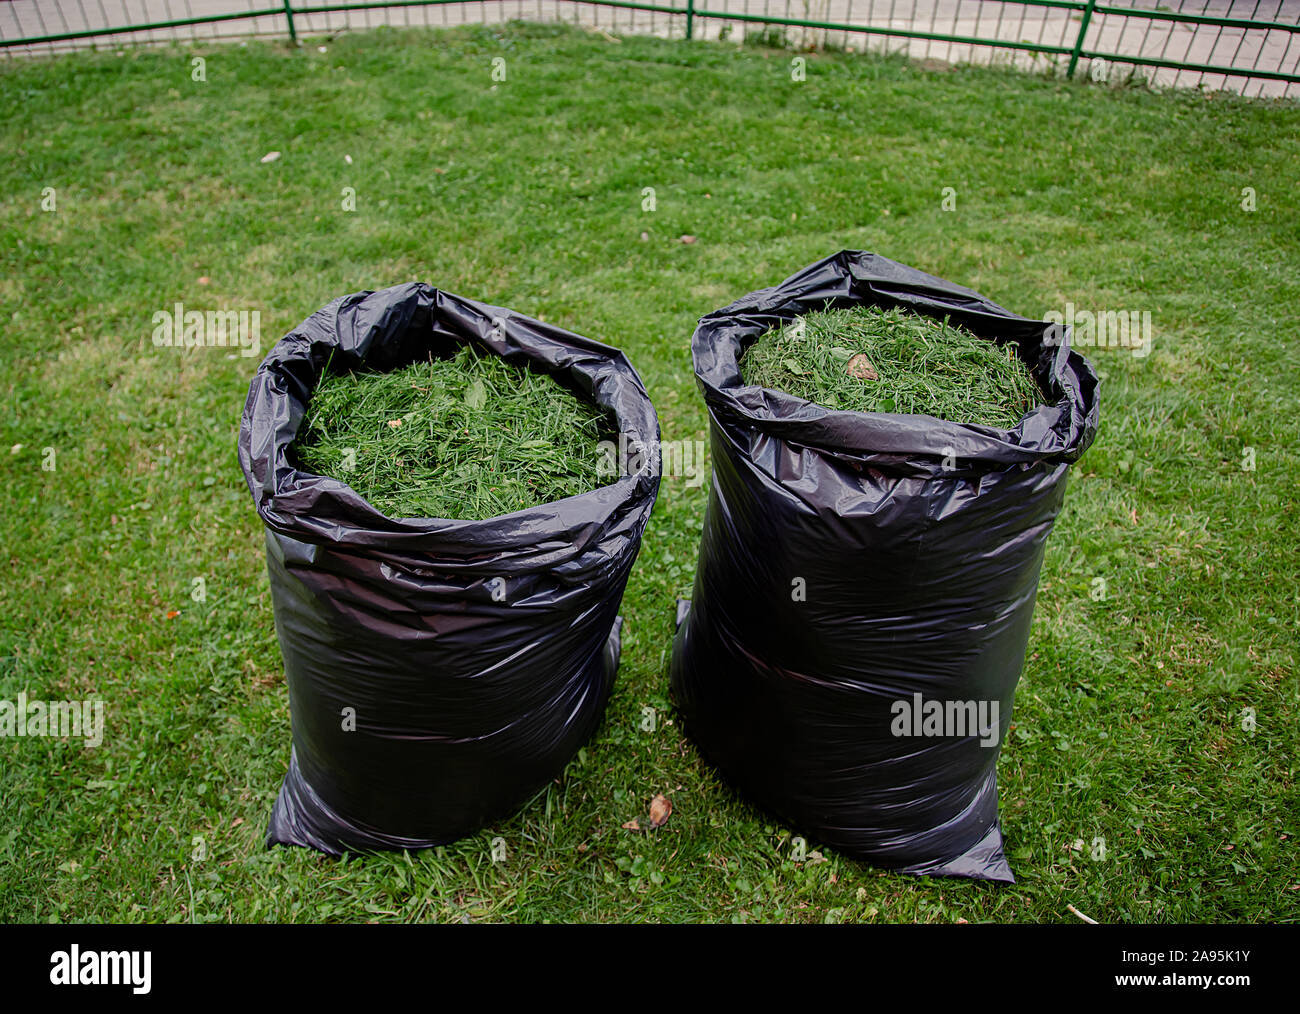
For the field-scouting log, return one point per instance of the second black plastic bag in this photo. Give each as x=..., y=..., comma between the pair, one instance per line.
x=440, y=671
x=866, y=582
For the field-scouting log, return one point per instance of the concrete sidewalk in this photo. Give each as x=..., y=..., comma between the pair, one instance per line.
x=1261, y=49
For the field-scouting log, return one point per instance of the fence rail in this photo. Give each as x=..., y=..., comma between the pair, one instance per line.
x=1246, y=45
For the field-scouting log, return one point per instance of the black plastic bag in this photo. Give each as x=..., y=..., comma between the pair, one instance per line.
x=473, y=658
x=851, y=561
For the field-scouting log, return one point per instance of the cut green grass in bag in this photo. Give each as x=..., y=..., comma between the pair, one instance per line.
x=865, y=359
x=469, y=437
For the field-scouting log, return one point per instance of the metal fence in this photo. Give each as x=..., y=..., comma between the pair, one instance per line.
x=1249, y=46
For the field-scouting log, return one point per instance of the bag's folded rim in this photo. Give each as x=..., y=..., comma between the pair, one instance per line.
x=1059, y=431
x=378, y=328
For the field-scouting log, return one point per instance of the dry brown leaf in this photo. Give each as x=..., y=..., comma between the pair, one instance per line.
x=860, y=367
x=661, y=808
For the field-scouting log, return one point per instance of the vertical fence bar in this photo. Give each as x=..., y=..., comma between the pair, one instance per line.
x=288, y=13
x=690, y=18
x=1078, y=43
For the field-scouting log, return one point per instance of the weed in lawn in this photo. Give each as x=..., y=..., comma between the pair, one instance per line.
x=470, y=437
x=865, y=359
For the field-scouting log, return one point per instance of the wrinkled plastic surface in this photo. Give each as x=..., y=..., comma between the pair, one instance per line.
x=915, y=544
x=477, y=656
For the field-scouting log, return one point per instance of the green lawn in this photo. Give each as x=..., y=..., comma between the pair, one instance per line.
x=528, y=193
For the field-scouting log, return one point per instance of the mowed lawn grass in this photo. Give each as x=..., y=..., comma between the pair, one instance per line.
x=1151, y=771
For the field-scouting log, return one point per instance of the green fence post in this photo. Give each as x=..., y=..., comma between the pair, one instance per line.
x=1078, y=43
x=690, y=18
x=288, y=13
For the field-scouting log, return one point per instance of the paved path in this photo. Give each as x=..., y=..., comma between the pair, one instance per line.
x=1274, y=50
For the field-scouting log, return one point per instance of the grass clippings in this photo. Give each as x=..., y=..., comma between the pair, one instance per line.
x=865, y=359
x=470, y=437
